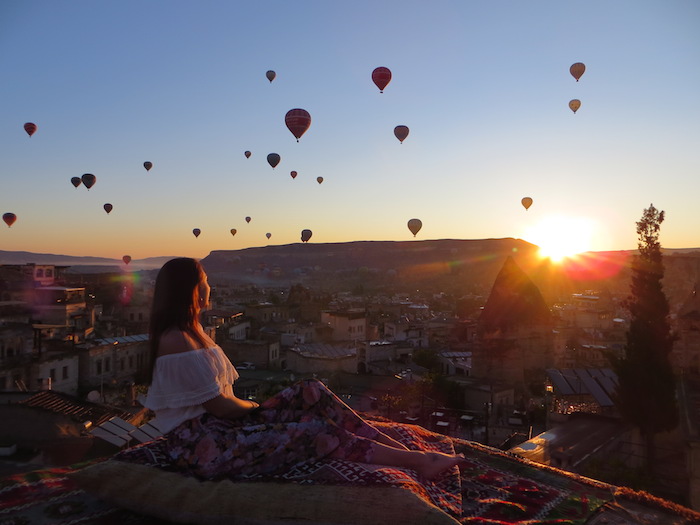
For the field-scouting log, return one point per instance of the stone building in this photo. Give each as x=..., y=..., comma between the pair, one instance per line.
x=514, y=334
x=685, y=356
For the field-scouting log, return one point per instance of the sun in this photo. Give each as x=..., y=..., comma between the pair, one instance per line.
x=560, y=237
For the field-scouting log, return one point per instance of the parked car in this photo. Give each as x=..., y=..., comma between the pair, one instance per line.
x=245, y=365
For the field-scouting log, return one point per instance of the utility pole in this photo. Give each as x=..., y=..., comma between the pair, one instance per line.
x=487, y=416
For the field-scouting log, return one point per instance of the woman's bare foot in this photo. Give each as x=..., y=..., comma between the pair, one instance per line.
x=435, y=463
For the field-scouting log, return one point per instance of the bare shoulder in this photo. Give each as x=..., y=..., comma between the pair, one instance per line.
x=174, y=341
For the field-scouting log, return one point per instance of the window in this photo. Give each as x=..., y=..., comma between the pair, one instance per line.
x=49, y=273
x=140, y=316
x=98, y=366
x=131, y=361
x=108, y=362
x=40, y=273
x=52, y=374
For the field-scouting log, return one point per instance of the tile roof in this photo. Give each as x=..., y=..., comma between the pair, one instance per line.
x=599, y=383
x=121, y=340
x=60, y=403
x=323, y=350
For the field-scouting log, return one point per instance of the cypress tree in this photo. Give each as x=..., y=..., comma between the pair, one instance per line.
x=645, y=394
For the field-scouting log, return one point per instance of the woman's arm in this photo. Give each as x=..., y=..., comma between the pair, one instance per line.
x=229, y=407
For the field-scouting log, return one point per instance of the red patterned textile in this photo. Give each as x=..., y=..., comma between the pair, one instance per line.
x=494, y=488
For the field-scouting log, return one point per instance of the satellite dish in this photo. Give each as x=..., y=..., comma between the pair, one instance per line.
x=93, y=396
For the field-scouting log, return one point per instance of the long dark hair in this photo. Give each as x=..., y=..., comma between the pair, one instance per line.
x=176, y=301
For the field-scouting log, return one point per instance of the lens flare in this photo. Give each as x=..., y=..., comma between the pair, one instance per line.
x=559, y=237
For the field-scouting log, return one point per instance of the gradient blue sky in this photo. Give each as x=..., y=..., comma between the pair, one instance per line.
x=484, y=87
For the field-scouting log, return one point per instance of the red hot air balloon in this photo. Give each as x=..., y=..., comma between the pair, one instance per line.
x=234, y=231
x=415, y=225
x=126, y=259
x=298, y=121
x=271, y=75
x=574, y=105
x=247, y=154
x=30, y=128
x=268, y=235
x=89, y=180
x=76, y=181
x=305, y=235
x=148, y=165
x=577, y=70
x=319, y=179
x=293, y=174
x=9, y=218
x=273, y=159
x=247, y=219
x=401, y=132
x=196, y=232
x=381, y=77
x=108, y=207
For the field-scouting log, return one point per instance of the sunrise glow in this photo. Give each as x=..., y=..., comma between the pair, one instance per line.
x=560, y=237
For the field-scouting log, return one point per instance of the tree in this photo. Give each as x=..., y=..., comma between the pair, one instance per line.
x=645, y=394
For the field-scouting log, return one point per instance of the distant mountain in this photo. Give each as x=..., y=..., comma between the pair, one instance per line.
x=86, y=264
x=434, y=264
x=449, y=265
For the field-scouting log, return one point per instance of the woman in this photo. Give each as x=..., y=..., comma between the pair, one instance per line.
x=212, y=433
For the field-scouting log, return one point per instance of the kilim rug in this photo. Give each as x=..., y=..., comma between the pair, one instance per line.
x=494, y=488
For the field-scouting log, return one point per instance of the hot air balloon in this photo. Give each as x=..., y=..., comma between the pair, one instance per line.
x=577, y=70
x=247, y=154
x=415, y=225
x=297, y=121
x=271, y=75
x=574, y=105
x=293, y=174
x=234, y=231
x=108, y=207
x=526, y=202
x=126, y=259
x=89, y=180
x=381, y=77
x=76, y=181
x=30, y=128
x=305, y=235
x=148, y=165
x=319, y=179
x=196, y=232
x=247, y=219
x=9, y=218
x=268, y=235
x=401, y=133
x=273, y=159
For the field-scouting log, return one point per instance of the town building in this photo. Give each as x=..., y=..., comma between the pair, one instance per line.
x=346, y=325
x=685, y=356
x=317, y=358
x=261, y=353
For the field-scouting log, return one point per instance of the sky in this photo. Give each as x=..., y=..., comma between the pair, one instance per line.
x=483, y=85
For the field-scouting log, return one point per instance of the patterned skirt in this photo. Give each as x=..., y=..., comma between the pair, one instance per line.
x=303, y=423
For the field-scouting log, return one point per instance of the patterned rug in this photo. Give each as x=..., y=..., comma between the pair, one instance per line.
x=494, y=488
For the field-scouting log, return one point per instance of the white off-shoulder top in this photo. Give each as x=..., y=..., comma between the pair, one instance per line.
x=183, y=381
